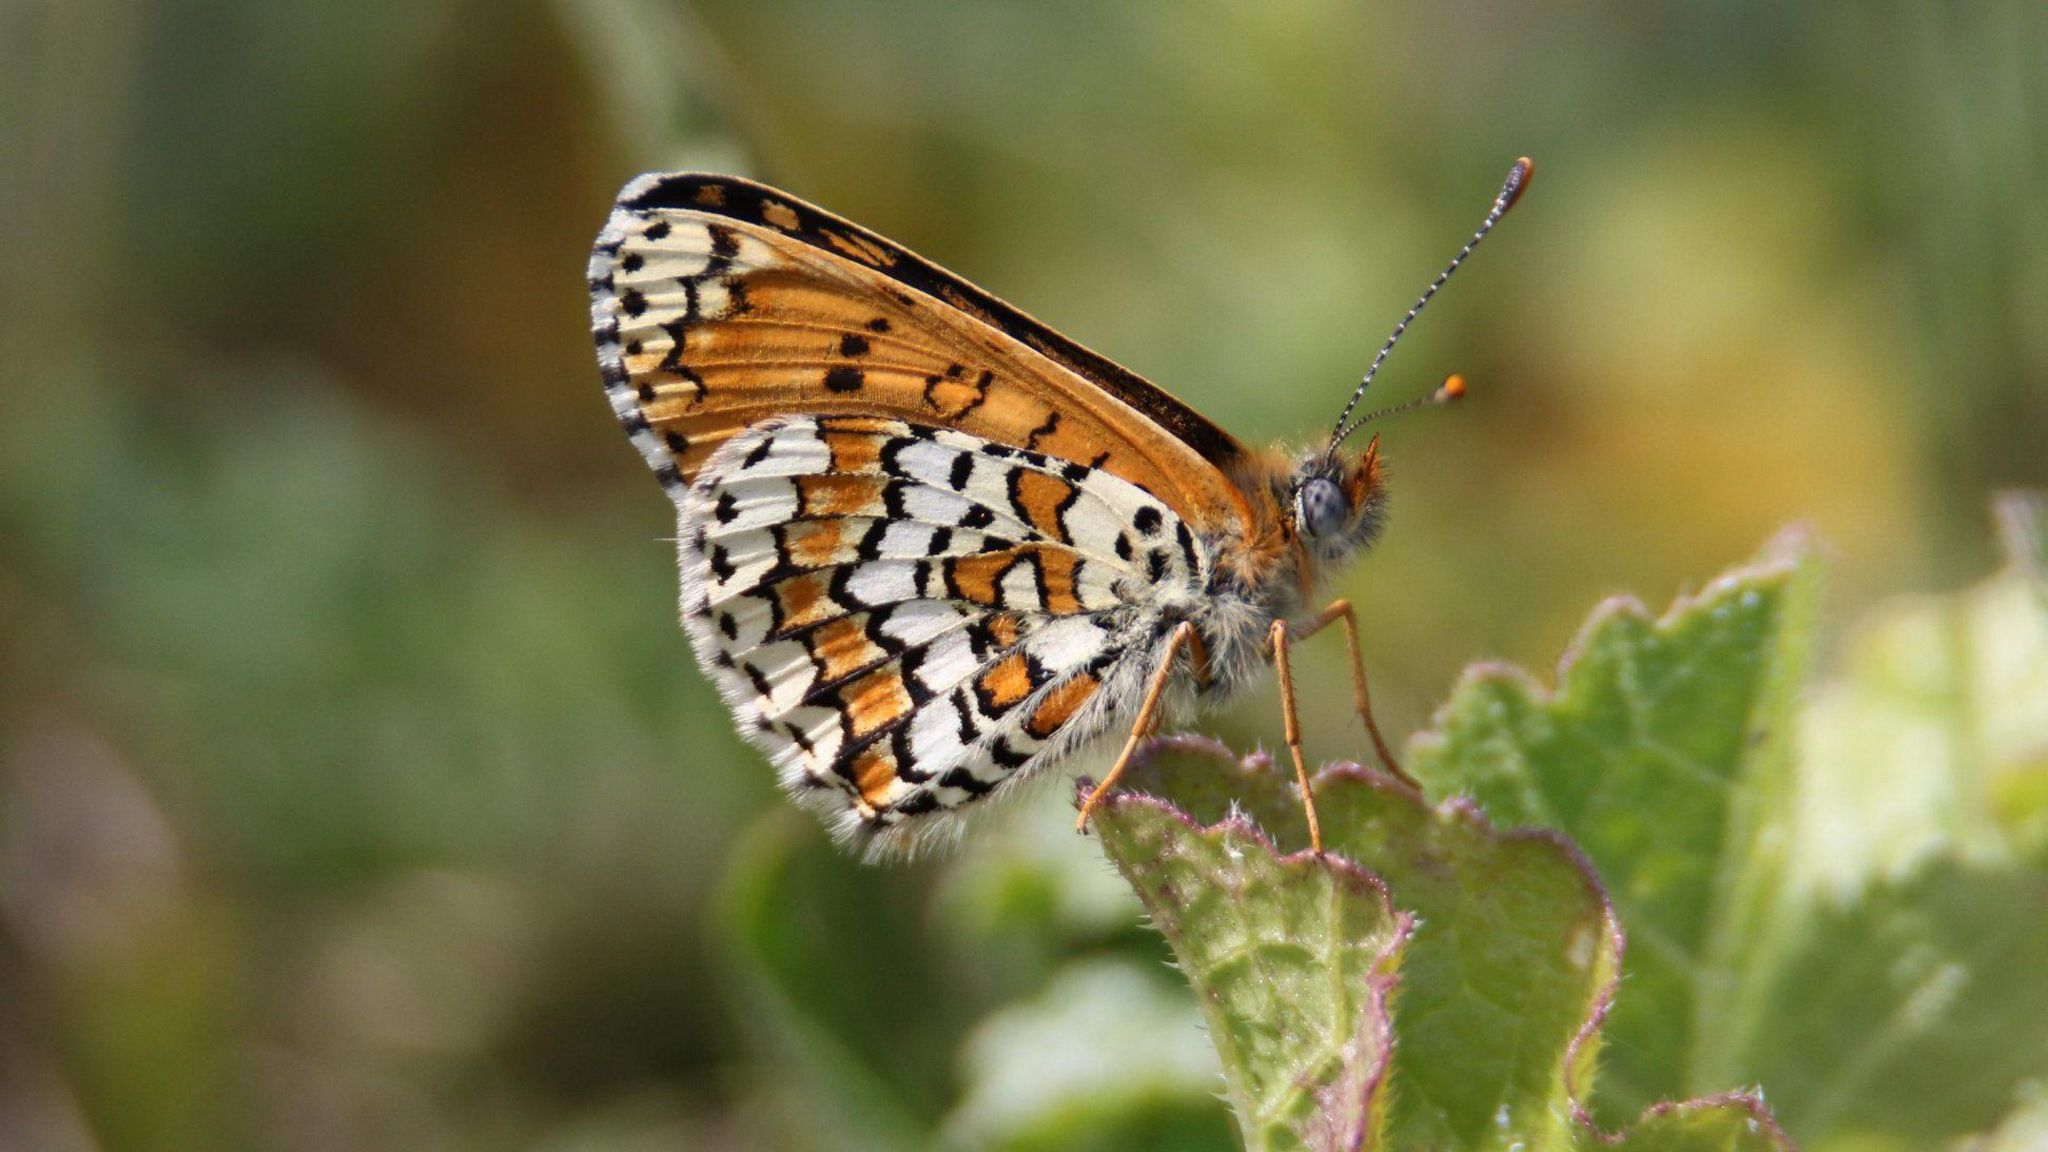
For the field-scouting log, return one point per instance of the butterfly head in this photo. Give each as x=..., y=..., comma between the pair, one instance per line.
x=1337, y=503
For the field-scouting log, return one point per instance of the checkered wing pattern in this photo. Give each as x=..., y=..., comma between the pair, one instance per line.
x=717, y=304
x=906, y=617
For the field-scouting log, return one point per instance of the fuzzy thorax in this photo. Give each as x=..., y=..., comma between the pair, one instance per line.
x=1311, y=515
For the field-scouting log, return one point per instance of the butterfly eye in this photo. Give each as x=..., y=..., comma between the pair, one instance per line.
x=1320, y=508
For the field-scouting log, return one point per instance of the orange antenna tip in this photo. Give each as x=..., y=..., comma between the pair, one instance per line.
x=1451, y=389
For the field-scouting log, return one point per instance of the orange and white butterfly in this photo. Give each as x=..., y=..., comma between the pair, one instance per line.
x=928, y=544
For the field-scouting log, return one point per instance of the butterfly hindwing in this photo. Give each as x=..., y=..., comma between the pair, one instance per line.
x=904, y=617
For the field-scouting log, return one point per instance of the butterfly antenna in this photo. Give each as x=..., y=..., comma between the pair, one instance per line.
x=1451, y=390
x=1517, y=181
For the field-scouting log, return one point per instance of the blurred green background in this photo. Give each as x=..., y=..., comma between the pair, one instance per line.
x=357, y=789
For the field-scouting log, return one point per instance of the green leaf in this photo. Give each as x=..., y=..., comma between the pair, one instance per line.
x=1511, y=965
x=1840, y=897
x=1716, y=1124
x=1665, y=752
x=1291, y=959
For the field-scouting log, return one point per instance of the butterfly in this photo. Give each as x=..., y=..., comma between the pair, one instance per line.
x=928, y=545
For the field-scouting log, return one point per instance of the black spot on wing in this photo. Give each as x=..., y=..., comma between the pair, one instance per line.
x=966, y=782
x=1000, y=751
x=802, y=740
x=725, y=244
x=916, y=804
x=1051, y=425
x=759, y=680
x=878, y=633
x=869, y=546
x=913, y=684
x=1186, y=539
x=721, y=563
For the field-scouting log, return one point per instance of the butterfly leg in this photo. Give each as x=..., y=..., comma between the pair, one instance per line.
x=1148, y=716
x=1198, y=661
x=1340, y=611
x=1292, y=725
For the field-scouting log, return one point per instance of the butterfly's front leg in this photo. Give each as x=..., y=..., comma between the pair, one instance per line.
x=1198, y=666
x=1341, y=611
x=1280, y=639
x=1183, y=636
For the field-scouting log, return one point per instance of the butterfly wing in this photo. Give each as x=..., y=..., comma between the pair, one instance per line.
x=906, y=617
x=719, y=303
x=927, y=544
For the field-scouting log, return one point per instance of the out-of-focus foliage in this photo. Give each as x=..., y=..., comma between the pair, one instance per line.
x=1912, y=961
x=356, y=789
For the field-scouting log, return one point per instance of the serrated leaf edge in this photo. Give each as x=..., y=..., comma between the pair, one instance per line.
x=1779, y=560
x=1465, y=808
x=1375, y=1012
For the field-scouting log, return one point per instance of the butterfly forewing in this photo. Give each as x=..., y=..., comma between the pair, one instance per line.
x=719, y=304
